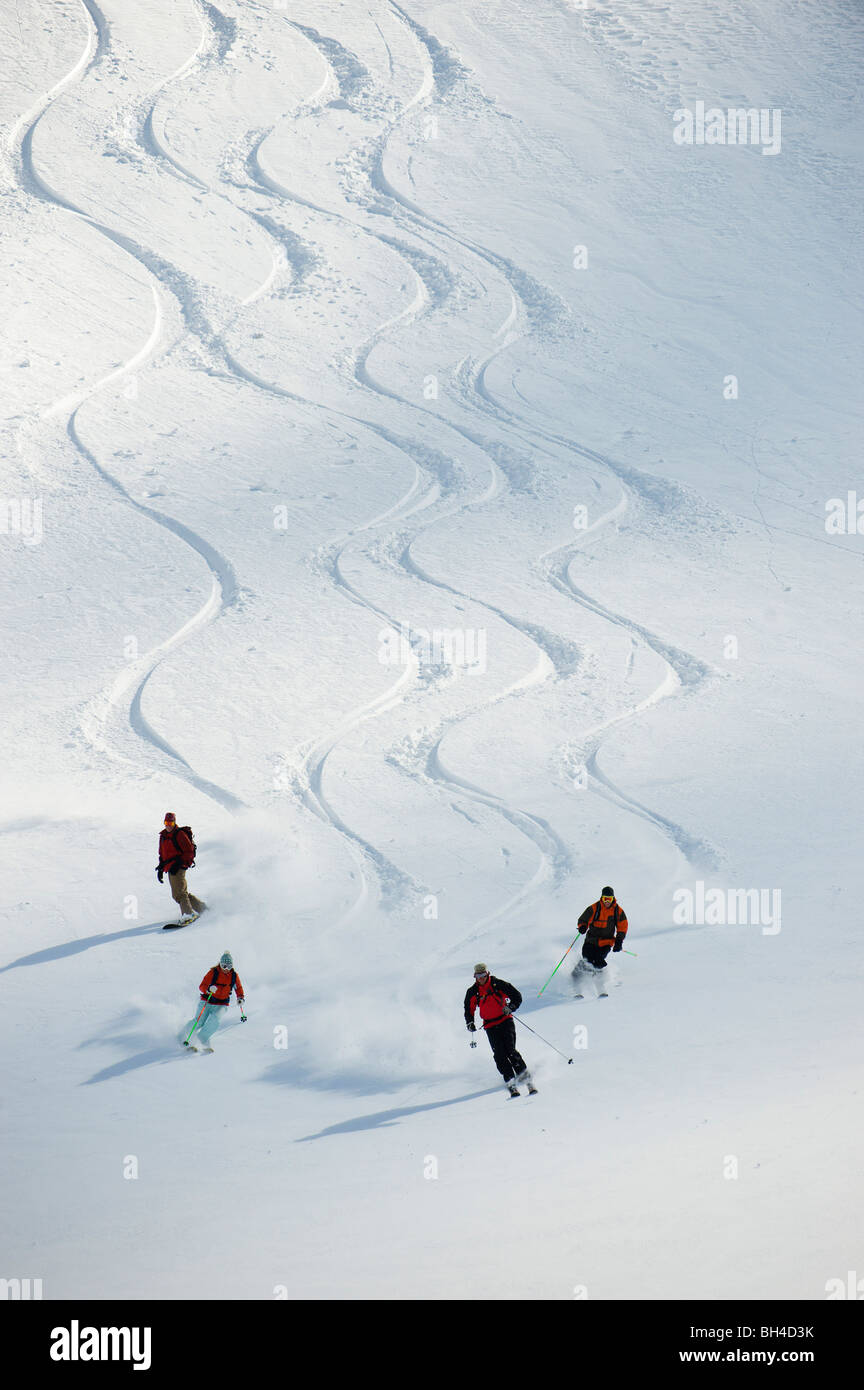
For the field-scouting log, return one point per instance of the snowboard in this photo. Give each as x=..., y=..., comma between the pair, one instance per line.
x=175, y=926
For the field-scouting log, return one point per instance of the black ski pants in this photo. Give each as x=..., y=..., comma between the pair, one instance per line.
x=502, y=1040
x=595, y=955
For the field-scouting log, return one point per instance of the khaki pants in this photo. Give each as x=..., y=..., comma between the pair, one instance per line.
x=186, y=901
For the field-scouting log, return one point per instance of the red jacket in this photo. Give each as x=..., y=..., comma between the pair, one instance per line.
x=175, y=844
x=492, y=999
x=221, y=982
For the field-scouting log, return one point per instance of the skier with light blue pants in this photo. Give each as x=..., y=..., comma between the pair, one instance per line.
x=215, y=992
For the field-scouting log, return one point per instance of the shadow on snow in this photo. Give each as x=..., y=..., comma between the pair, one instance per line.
x=381, y=1118
x=72, y=948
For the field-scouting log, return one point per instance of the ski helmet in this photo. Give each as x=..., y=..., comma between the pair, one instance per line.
x=225, y=960
x=170, y=818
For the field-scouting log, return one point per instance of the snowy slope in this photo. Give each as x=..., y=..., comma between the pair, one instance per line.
x=299, y=351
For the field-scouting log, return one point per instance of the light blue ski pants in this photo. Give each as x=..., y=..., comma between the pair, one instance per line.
x=210, y=1020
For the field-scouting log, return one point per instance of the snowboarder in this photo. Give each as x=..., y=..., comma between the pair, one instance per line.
x=176, y=855
x=496, y=1000
x=604, y=926
x=215, y=991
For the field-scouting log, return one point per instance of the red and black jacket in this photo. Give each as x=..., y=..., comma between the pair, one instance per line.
x=221, y=982
x=175, y=850
x=604, y=925
x=491, y=999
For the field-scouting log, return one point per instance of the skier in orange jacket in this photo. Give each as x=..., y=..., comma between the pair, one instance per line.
x=604, y=926
x=215, y=991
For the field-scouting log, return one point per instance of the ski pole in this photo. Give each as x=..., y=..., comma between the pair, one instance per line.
x=569, y=1060
x=197, y=1021
x=562, y=960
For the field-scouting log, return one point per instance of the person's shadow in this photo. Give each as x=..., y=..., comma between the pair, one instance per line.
x=72, y=948
x=389, y=1117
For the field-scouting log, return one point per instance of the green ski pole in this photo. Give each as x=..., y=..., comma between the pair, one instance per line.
x=197, y=1021
x=562, y=960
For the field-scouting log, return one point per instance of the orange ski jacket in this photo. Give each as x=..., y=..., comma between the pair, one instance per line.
x=221, y=982
x=604, y=924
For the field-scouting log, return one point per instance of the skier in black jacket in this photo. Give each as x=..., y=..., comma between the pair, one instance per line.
x=496, y=1000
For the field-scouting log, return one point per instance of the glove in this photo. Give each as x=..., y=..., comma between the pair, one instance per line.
x=582, y=931
x=160, y=872
x=472, y=1028
x=617, y=946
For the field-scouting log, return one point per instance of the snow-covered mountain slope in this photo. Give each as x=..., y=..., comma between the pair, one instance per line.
x=417, y=474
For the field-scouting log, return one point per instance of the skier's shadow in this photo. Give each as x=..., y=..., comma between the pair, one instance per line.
x=382, y=1118
x=162, y=1053
x=71, y=948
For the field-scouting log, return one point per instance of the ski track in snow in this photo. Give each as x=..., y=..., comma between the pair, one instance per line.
x=347, y=76
x=127, y=690
x=526, y=294
x=683, y=671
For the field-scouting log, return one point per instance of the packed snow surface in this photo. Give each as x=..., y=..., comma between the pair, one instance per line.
x=422, y=473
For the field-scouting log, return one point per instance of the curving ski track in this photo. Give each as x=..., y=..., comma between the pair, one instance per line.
x=435, y=476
